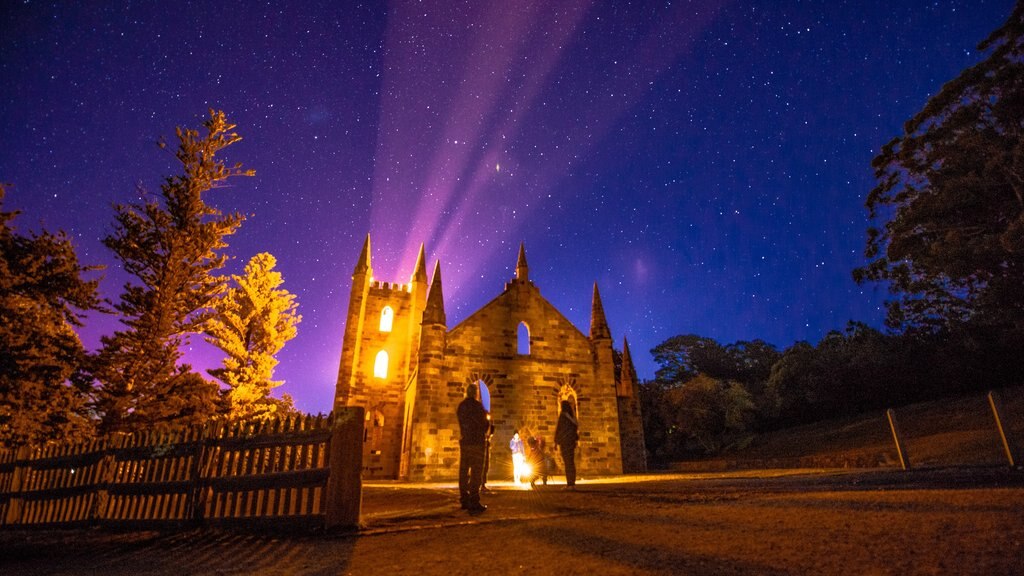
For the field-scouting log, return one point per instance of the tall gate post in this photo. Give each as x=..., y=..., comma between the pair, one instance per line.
x=345, y=459
x=901, y=448
x=993, y=401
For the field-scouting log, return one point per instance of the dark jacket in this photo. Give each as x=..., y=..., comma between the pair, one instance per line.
x=473, y=423
x=567, y=430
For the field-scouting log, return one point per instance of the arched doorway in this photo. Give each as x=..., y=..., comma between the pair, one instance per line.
x=567, y=392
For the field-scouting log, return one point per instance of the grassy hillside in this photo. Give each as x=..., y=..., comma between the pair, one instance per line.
x=946, y=432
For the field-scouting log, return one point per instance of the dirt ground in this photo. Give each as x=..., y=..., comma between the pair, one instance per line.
x=945, y=521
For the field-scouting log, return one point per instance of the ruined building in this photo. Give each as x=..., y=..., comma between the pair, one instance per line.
x=402, y=362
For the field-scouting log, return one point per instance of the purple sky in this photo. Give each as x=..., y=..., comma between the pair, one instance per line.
x=704, y=162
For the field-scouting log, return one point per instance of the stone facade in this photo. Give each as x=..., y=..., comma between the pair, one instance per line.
x=524, y=354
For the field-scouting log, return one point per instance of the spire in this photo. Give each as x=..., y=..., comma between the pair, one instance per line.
x=434, y=312
x=628, y=377
x=419, y=274
x=363, y=266
x=522, y=270
x=598, y=324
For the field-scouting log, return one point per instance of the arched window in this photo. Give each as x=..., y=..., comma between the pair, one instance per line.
x=485, y=394
x=387, y=318
x=380, y=365
x=523, y=339
x=568, y=393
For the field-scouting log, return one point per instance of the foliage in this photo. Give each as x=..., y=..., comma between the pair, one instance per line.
x=42, y=298
x=952, y=191
x=684, y=357
x=846, y=373
x=710, y=412
x=705, y=395
x=657, y=431
x=171, y=246
x=254, y=319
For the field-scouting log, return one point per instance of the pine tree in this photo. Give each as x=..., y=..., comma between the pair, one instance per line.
x=171, y=245
x=254, y=321
x=42, y=298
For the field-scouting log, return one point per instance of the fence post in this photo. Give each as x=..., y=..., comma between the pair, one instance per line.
x=106, y=473
x=198, y=473
x=993, y=401
x=18, y=478
x=901, y=448
x=345, y=460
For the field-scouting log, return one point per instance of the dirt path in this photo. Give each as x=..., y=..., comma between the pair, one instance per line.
x=931, y=522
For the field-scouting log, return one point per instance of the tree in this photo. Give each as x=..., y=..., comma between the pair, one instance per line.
x=42, y=298
x=683, y=357
x=254, y=319
x=848, y=373
x=952, y=190
x=713, y=413
x=171, y=245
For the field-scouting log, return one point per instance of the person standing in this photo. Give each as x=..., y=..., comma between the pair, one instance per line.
x=473, y=427
x=566, y=436
x=518, y=457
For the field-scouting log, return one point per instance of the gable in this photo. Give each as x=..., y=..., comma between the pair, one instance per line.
x=492, y=331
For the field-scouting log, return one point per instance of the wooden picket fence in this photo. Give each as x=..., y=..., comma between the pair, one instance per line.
x=300, y=470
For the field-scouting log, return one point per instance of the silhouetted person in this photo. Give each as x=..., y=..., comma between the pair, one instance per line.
x=566, y=436
x=473, y=426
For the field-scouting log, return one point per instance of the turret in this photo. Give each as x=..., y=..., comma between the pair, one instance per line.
x=434, y=312
x=354, y=324
x=631, y=427
x=418, y=284
x=522, y=270
x=424, y=398
x=598, y=324
x=601, y=342
x=627, y=377
x=419, y=274
x=363, y=265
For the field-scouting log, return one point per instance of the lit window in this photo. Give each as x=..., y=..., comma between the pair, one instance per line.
x=387, y=317
x=380, y=365
x=524, y=338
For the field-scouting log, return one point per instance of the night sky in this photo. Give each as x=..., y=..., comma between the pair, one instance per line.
x=704, y=162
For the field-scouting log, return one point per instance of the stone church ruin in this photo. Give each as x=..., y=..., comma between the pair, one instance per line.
x=409, y=370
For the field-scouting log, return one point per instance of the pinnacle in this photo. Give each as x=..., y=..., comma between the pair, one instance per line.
x=363, y=265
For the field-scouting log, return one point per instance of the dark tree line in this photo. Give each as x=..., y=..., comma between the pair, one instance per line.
x=948, y=242
x=709, y=398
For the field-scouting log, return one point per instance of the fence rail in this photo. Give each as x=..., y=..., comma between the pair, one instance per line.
x=297, y=469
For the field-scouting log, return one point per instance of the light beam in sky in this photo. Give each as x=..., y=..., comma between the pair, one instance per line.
x=465, y=91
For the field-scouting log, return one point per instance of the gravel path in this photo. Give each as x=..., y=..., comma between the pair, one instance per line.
x=963, y=521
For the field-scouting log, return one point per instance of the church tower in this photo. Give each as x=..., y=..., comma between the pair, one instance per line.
x=379, y=355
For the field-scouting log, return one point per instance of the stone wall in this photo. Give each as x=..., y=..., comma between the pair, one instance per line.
x=524, y=388
x=411, y=427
